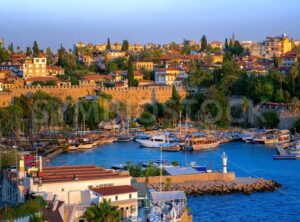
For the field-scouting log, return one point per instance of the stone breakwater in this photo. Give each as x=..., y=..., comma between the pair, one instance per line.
x=240, y=185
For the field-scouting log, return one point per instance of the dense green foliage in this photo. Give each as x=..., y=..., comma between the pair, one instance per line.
x=203, y=43
x=146, y=119
x=108, y=46
x=269, y=120
x=28, y=208
x=296, y=126
x=8, y=158
x=4, y=55
x=125, y=45
x=137, y=170
x=130, y=76
x=35, y=49
x=103, y=212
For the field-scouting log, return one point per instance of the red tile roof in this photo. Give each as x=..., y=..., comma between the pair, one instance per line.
x=42, y=79
x=137, y=73
x=107, y=191
x=77, y=173
x=57, y=68
x=96, y=77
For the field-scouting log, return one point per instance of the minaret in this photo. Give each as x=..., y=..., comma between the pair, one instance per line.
x=224, y=161
x=233, y=38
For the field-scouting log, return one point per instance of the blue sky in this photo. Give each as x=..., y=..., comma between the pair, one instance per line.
x=52, y=22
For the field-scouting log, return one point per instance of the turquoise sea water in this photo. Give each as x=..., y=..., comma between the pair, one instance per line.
x=245, y=159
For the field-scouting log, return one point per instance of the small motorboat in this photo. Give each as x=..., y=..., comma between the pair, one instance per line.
x=170, y=147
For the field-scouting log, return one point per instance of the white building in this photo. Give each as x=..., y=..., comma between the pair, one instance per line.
x=125, y=197
x=80, y=186
x=72, y=184
x=167, y=76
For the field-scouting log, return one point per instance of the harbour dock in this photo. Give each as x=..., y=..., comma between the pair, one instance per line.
x=283, y=154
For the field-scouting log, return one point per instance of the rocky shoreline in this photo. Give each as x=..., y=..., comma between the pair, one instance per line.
x=240, y=185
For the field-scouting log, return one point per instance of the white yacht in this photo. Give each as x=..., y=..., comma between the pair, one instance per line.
x=154, y=141
x=294, y=149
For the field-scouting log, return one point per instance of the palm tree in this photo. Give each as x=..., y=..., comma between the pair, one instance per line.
x=295, y=104
x=103, y=212
x=294, y=75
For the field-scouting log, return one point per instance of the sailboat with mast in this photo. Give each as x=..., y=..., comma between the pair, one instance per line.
x=125, y=137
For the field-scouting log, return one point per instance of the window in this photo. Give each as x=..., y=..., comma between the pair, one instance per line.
x=130, y=196
x=116, y=197
x=37, y=60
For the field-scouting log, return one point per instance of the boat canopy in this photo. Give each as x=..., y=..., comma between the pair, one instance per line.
x=165, y=196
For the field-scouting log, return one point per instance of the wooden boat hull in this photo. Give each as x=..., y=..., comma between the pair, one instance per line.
x=205, y=146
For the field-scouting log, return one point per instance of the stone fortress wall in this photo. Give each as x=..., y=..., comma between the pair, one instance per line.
x=134, y=97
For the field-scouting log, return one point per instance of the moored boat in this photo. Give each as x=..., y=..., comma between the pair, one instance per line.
x=86, y=143
x=294, y=149
x=283, y=136
x=201, y=142
x=124, y=138
x=154, y=142
x=170, y=147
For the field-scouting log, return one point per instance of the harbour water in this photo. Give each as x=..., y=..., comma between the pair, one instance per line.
x=245, y=159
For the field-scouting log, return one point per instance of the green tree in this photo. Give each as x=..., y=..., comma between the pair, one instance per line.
x=4, y=55
x=174, y=46
x=199, y=79
x=295, y=104
x=66, y=60
x=279, y=96
x=125, y=45
x=8, y=158
x=175, y=95
x=108, y=46
x=35, y=49
x=28, y=51
x=226, y=44
x=203, y=43
x=186, y=50
x=130, y=77
x=294, y=74
x=168, y=183
x=103, y=212
x=296, y=126
x=146, y=119
x=18, y=49
x=269, y=120
x=10, y=48
x=275, y=62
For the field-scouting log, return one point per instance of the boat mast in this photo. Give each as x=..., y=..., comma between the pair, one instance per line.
x=160, y=179
x=180, y=120
x=83, y=124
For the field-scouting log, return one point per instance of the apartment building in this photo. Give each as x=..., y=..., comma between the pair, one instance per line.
x=146, y=65
x=167, y=76
x=217, y=45
x=35, y=67
x=276, y=46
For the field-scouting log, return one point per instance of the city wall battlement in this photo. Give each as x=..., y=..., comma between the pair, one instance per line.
x=133, y=96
